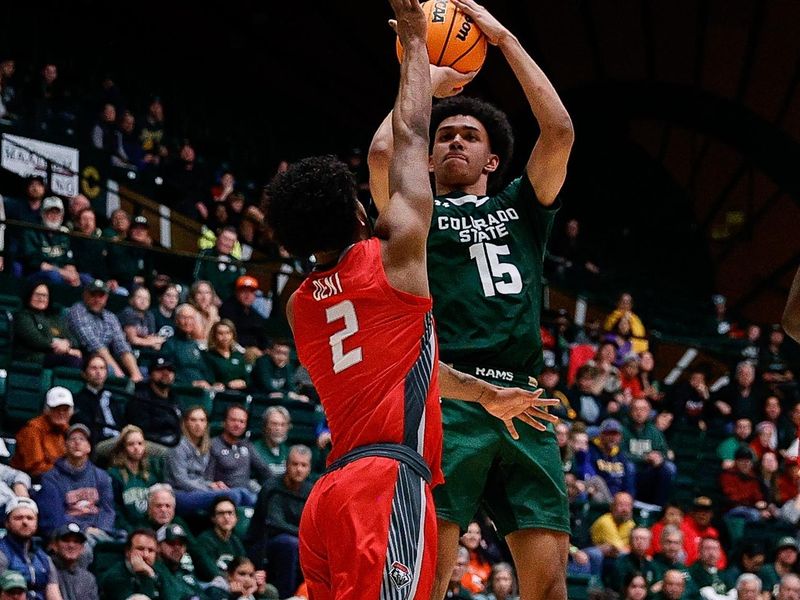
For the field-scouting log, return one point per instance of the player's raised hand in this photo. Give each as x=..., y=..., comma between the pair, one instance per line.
x=508, y=404
x=409, y=20
x=493, y=29
x=448, y=82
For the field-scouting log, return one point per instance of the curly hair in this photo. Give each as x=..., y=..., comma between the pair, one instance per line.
x=313, y=206
x=501, y=136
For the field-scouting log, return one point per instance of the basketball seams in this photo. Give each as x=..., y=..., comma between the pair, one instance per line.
x=467, y=51
x=449, y=33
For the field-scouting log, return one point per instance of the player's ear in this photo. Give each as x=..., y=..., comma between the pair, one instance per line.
x=492, y=163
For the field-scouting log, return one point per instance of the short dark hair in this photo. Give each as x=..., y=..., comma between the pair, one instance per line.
x=501, y=136
x=312, y=206
x=235, y=407
x=145, y=532
x=219, y=500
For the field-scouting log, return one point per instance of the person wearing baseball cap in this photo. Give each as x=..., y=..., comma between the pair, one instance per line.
x=786, y=554
x=219, y=265
x=609, y=460
x=13, y=586
x=40, y=442
x=18, y=551
x=250, y=325
x=67, y=546
x=76, y=490
x=177, y=581
x=154, y=408
x=696, y=526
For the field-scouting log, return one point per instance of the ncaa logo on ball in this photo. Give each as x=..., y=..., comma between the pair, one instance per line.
x=400, y=575
x=439, y=11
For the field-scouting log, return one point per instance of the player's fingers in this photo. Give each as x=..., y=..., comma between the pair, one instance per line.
x=542, y=402
x=540, y=414
x=528, y=420
x=511, y=429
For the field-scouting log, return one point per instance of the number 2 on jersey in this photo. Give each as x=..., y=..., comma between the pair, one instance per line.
x=341, y=360
x=487, y=256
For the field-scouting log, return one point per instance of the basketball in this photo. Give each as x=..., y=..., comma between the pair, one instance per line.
x=453, y=38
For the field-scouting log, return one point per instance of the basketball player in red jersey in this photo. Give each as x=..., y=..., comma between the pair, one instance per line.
x=364, y=330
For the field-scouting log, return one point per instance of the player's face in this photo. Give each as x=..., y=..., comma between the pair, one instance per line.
x=461, y=153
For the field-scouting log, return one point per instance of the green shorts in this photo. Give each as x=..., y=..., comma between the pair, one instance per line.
x=519, y=483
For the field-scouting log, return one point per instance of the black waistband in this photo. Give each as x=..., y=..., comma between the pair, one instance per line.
x=398, y=452
x=497, y=374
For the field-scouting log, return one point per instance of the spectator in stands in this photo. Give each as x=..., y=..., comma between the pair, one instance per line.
x=218, y=266
x=672, y=515
x=174, y=567
x=46, y=254
x=91, y=252
x=571, y=257
x=750, y=560
x=185, y=352
x=774, y=363
x=76, y=490
x=29, y=209
x=234, y=461
x=20, y=553
x=249, y=324
x=99, y=332
x=151, y=135
x=650, y=385
x=630, y=384
x=624, y=310
x=95, y=406
x=40, y=442
x=765, y=440
x=672, y=586
x=788, y=486
x=106, y=136
x=136, y=573
x=636, y=561
x=41, y=335
x=611, y=532
x=75, y=206
x=751, y=344
x=741, y=488
x=696, y=526
x=786, y=553
x=742, y=430
x=132, y=475
x=204, y=300
x=785, y=431
x=274, y=374
x=132, y=154
x=74, y=580
x=164, y=312
x=583, y=467
x=9, y=106
x=748, y=587
x=502, y=584
x=138, y=323
x=186, y=189
x=647, y=448
x=219, y=545
x=550, y=380
x=610, y=461
x=187, y=465
x=609, y=379
x=693, y=406
x=131, y=264
x=242, y=582
x=480, y=562
x=154, y=408
x=225, y=362
x=635, y=587
x=671, y=555
x=742, y=395
x=272, y=446
x=455, y=591
x=120, y=225
x=789, y=588
x=704, y=572
x=591, y=407
x=767, y=473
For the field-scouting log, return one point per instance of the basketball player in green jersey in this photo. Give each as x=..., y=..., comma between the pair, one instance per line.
x=485, y=256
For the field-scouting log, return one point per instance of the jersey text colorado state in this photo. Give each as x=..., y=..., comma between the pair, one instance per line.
x=471, y=230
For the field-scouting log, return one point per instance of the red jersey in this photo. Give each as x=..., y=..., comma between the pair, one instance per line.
x=371, y=352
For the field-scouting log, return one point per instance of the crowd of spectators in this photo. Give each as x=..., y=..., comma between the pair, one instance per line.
x=166, y=482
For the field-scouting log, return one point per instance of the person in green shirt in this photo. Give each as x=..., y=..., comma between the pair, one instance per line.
x=786, y=553
x=273, y=373
x=671, y=549
x=673, y=586
x=634, y=562
x=218, y=266
x=226, y=363
x=219, y=545
x=647, y=448
x=185, y=351
x=175, y=569
x=704, y=572
x=136, y=574
x=131, y=477
x=726, y=451
x=272, y=447
x=485, y=254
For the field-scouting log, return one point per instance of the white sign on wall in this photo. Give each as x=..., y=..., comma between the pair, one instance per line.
x=25, y=156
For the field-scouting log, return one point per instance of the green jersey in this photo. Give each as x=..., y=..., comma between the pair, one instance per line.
x=485, y=263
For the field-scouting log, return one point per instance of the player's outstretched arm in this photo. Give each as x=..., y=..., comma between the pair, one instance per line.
x=547, y=166
x=445, y=82
x=791, y=314
x=505, y=404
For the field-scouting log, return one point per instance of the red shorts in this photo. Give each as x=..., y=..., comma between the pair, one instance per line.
x=368, y=532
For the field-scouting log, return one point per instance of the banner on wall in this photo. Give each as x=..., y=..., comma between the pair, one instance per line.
x=27, y=156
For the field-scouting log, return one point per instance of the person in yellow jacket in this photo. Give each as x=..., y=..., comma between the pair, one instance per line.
x=625, y=310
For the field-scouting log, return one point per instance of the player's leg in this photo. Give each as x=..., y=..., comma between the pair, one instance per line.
x=447, y=554
x=540, y=556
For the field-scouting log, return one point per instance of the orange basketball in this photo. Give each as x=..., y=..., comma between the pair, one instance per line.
x=453, y=38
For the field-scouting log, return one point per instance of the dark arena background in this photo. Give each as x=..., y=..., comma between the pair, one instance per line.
x=682, y=191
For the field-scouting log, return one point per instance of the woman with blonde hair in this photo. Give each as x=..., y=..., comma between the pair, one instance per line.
x=224, y=358
x=186, y=464
x=205, y=301
x=131, y=474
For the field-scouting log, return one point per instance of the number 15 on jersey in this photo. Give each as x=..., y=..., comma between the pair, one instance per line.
x=487, y=256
